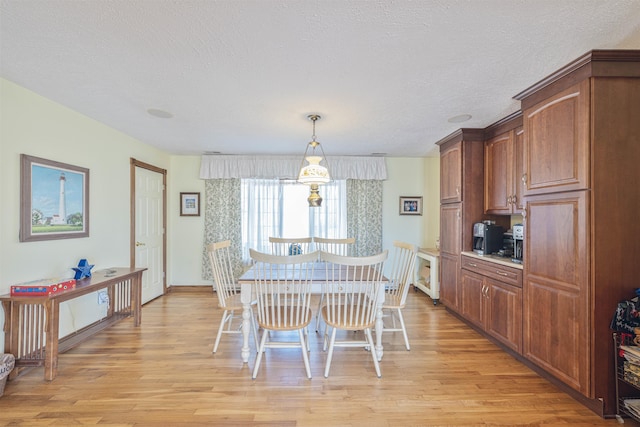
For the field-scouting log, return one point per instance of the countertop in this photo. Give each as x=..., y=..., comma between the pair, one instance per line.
x=494, y=258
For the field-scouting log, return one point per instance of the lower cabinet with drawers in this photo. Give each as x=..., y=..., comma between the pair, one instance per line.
x=491, y=299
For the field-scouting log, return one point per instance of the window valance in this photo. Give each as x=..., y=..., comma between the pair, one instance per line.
x=340, y=167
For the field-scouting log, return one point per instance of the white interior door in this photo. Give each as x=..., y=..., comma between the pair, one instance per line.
x=149, y=231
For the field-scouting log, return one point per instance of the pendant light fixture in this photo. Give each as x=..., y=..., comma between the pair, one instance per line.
x=314, y=174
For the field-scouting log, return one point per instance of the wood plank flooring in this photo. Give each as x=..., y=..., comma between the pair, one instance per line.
x=164, y=374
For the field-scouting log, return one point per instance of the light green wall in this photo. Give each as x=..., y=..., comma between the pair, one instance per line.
x=186, y=232
x=34, y=125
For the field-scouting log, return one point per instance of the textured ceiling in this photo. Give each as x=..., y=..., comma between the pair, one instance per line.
x=241, y=76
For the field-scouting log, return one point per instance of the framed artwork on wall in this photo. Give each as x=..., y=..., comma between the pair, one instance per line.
x=54, y=200
x=410, y=205
x=189, y=204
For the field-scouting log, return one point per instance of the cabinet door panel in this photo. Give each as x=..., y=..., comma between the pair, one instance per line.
x=498, y=174
x=451, y=174
x=504, y=314
x=556, y=142
x=557, y=321
x=450, y=228
x=518, y=164
x=472, y=297
x=449, y=272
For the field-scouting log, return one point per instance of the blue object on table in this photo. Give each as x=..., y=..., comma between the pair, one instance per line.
x=82, y=270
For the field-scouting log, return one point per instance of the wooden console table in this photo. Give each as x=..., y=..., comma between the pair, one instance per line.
x=32, y=323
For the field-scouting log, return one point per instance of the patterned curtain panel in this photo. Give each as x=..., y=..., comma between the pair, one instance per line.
x=364, y=215
x=222, y=221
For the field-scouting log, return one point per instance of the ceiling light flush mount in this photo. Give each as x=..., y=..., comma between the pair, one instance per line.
x=460, y=119
x=314, y=174
x=159, y=113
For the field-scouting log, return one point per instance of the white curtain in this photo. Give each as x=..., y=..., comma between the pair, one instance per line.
x=269, y=210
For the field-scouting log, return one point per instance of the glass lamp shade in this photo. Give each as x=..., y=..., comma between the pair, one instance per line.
x=314, y=173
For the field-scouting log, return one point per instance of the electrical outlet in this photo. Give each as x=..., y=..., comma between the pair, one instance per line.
x=103, y=297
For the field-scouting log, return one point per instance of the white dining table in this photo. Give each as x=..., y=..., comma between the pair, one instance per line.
x=247, y=295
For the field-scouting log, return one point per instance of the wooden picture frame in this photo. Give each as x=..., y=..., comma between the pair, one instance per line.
x=410, y=205
x=54, y=200
x=189, y=204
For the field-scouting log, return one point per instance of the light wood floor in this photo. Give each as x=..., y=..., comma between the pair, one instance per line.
x=164, y=374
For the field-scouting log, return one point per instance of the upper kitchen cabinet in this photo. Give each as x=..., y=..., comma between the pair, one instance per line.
x=459, y=168
x=451, y=174
x=556, y=142
x=503, y=164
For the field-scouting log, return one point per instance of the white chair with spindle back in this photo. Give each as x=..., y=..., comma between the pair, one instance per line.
x=403, y=262
x=227, y=290
x=333, y=246
x=351, y=292
x=283, y=288
x=286, y=246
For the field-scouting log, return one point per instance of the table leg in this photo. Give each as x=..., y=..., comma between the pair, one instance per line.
x=136, y=298
x=52, y=328
x=245, y=297
x=379, y=327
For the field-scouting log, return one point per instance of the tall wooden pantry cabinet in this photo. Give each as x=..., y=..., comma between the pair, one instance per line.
x=581, y=204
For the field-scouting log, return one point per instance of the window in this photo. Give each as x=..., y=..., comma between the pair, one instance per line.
x=272, y=207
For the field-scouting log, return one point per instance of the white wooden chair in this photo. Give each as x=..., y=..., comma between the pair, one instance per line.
x=227, y=290
x=351, y=292
x=403, y=262
x=283, y=289
x=332, y=246
x=285, y=246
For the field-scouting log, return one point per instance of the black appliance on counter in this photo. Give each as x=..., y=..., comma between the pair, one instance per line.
x=487, y=237
x=518, y=243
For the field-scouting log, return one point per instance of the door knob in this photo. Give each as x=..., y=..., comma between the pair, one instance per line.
x=140, y=244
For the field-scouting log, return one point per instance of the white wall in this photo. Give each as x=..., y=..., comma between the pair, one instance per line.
x=33, y=125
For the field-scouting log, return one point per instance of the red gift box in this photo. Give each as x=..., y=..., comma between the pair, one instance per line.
x=42, y=287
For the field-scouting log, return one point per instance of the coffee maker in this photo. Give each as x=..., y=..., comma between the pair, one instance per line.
x=487, y=237
x=518, y=243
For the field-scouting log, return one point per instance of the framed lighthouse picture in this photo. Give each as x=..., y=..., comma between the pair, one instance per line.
x=54, y=200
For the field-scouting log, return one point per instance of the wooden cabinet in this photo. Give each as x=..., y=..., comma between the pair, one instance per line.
x=581, y=156
x=451, y=174
x=491, y=298
x=461, y=172
x=450, y=248
x=503, y=166
x=557, y=285
x=556, y=142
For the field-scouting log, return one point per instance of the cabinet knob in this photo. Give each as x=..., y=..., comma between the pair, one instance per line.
x=524, y=178
x=508, y=200
x=514, y=199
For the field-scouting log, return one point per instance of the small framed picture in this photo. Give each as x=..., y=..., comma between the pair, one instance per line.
x=189, y=204
x=410, y=205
